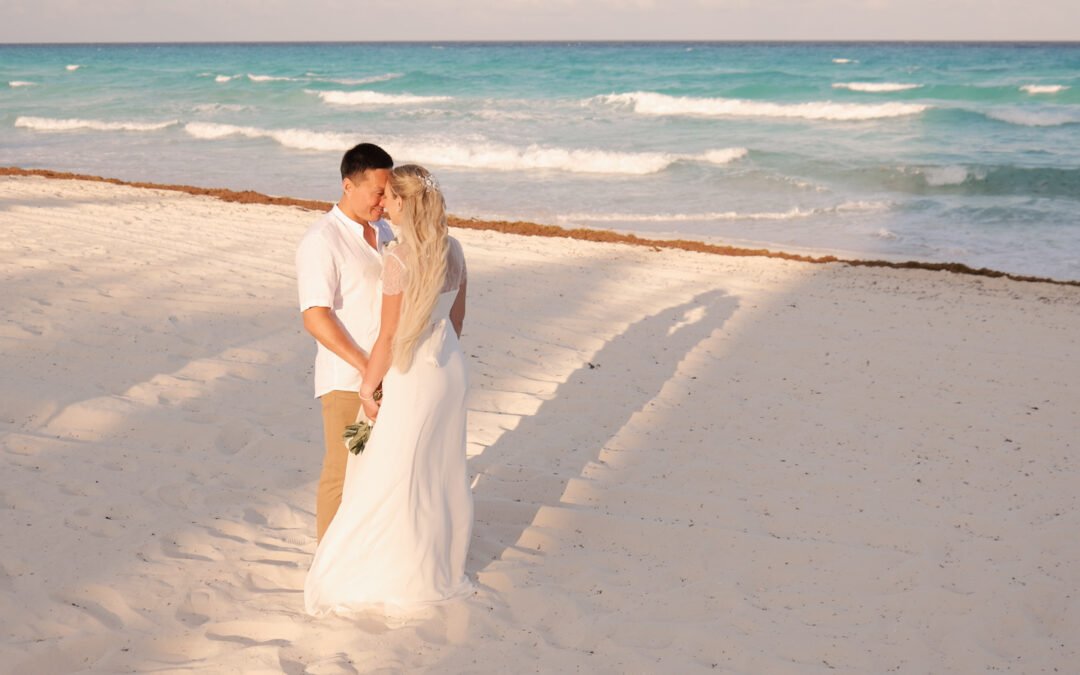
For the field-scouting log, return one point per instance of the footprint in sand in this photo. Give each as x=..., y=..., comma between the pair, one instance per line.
x=21, y=444
x=105, y=605
x=278, y=517
x=197, y=608
x=180, y=495
x=267, y=631
x=235, y=435
x=278, y=581
x=188, y=546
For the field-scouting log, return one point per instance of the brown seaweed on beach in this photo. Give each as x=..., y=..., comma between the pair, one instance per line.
x=538, y=230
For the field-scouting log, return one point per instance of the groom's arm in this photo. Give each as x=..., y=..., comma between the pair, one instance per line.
x=321, y=323
x=318, y=280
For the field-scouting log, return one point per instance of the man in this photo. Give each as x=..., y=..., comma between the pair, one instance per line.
x=338, y=265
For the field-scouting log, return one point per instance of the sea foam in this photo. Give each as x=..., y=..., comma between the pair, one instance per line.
x=875, y=87
x=1039, y=117
x=374, y=98
x=52, y=124
x=272, y=78
x=220, y=107
x=793, y=213
x=648, y=103
x=725, y=156
x=1044, y=88
x=386, y=77
x=300, y=139
x=21, y=83
x=941, y=176
x=73, y=66
x=483, y=155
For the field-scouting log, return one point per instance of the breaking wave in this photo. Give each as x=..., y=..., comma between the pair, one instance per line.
x=483, y=155
x=362, y=80
x=51, y=124
x=648, y=103
x=790, y=214
x=1039, y=117
x=374, y=98
x=875, y=87
x=1043, y=88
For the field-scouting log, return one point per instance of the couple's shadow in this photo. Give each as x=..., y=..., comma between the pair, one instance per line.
x=528, y=468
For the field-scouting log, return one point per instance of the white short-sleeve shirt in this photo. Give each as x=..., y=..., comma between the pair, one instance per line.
x=336, y=268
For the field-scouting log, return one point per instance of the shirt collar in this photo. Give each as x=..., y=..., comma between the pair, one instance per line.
x=383, y=233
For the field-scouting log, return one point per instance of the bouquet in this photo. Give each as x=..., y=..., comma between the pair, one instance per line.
x=356, y=435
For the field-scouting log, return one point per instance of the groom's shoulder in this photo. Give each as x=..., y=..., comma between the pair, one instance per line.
x=324, y=227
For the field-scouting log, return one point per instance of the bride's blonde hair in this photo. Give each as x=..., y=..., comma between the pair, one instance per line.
x=422, y=230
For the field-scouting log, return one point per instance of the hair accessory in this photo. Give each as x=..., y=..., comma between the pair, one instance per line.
x=429, y=182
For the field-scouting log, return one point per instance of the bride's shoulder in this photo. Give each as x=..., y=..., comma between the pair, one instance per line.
x=455, y=246
x=398, y=249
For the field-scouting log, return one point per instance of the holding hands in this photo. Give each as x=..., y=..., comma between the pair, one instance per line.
x=370, y=402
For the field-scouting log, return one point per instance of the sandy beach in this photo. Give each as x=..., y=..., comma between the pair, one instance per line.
x=683, y=461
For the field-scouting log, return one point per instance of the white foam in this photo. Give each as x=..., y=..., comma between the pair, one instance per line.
x=844, y=61
x=300, y=139
x=648, y=103
x=363, y=80
x=217, y=107
x=52, y=124
x=791, y=214
x=725, y=156
x=374, y=98
x=1044, y=88
x=1036, y=117
x=271, y=78
x=945, y=175
x=74, y=66
x=492, y=114
x=884, y=233
x=223, y=78
x=21, y=83
x=875, y=87
x=499, y=157
x=477, y=154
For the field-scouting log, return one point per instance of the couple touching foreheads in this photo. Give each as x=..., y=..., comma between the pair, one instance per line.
x=386, y=312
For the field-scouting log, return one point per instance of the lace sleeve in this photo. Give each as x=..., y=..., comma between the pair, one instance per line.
x=393, y=274
x=455, y=266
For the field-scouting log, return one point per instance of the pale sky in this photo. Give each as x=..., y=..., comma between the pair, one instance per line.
x=367, y=20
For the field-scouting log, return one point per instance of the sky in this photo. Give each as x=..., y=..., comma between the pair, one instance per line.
x=369, y=20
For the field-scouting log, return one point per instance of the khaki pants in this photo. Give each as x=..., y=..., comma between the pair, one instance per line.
x=339, y=410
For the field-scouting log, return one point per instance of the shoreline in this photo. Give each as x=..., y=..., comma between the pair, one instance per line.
x=530, y=229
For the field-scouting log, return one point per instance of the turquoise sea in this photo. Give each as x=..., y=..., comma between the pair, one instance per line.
x=935, y=152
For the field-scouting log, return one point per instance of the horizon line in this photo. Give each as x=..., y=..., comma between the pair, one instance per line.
x=822, y=41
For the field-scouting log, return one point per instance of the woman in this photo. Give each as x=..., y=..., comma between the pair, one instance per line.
x=402, y=533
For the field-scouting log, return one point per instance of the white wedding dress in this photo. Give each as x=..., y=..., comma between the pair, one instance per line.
x=400, y=538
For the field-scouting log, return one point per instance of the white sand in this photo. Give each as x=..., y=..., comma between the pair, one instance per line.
x=684, y=462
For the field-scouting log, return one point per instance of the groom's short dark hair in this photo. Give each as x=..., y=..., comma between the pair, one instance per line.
x=364, y=157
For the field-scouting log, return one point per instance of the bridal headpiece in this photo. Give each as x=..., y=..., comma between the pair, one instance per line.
x=429, y=182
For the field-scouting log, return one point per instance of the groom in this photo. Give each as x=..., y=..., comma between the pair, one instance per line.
x=338, y=265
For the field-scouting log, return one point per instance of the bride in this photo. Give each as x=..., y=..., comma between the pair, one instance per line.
x=402, y=533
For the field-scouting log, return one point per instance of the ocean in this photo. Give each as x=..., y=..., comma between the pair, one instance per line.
x=904, y=151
